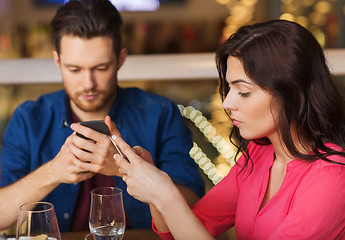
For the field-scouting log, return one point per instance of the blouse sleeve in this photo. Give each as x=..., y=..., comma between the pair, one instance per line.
x=318, y=210
x=216, y=210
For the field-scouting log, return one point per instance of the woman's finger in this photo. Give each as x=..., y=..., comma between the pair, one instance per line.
x=124, y=148
x=143, y=153
x=124, y=178
x=121, y=162
x=117, y=148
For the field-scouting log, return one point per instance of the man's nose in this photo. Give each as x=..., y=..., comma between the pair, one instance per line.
x=89, y=80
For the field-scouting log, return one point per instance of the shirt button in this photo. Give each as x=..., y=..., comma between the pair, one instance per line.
x=66, y=216
x=75, y=184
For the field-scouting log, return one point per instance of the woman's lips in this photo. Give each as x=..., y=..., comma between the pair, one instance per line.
x=236, y=122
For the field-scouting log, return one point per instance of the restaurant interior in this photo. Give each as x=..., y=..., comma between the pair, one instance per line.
x=173, y=30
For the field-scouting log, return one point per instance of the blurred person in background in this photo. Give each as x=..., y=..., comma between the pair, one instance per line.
x=43, y=159
x=289, y=182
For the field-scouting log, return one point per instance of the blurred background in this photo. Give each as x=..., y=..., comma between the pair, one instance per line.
x=153, y=27
x=170, y=26
x=166, y=27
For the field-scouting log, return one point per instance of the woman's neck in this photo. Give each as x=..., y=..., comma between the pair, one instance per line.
x=281, y=151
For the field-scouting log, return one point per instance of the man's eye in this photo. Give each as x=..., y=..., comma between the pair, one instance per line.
x=74, y=70
x=102, y=69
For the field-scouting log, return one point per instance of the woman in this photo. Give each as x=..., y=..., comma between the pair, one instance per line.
x=289, y=182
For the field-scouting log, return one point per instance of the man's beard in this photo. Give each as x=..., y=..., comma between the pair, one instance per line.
x=90, y=106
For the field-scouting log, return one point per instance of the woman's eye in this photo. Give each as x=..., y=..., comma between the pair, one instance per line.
x=244, y=94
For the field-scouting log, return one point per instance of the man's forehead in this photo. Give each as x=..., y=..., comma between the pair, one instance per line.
x=87, y=51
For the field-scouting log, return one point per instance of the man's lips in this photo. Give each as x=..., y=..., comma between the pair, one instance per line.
x=89, y=97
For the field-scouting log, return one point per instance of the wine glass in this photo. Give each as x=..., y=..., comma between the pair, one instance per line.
x=37, y=221
x=107, y=216
x=89, y=237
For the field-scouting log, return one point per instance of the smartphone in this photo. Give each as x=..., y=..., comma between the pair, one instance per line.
x=99, y=126
x=118, y=149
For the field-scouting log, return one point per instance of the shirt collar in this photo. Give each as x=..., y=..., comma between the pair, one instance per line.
x=113, y=113
x=66, y=116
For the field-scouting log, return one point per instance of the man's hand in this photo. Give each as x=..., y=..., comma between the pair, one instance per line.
x=94, y=155
x=64, y=168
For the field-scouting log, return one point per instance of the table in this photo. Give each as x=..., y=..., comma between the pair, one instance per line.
x=130, y=234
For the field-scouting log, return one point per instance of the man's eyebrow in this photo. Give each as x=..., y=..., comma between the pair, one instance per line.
x=70, y=65
x=101, y=64
x=98, y=65
x=240, y=81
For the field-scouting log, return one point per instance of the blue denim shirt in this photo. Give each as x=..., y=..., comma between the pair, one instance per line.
x=38, y=129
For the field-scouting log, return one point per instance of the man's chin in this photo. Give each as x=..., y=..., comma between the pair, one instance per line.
x=89, y=107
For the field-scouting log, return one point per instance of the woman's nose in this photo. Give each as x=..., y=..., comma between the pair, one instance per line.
x=229, y=103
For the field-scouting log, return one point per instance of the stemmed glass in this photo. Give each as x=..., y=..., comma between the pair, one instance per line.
x=107, y=215
x=37, y=221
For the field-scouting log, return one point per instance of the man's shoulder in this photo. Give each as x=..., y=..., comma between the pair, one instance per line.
x=136, y=95
x=43, y=104
x=47, y=99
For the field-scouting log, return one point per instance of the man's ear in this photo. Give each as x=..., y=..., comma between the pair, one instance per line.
x=122, y=58
x=56, y=58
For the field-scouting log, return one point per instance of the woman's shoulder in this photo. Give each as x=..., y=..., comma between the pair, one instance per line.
x=326, y=172
x=334, y=158
x=333, y=167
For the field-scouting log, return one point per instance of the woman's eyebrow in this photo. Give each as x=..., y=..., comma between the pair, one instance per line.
x=240, y=81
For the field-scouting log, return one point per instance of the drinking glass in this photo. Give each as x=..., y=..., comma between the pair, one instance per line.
x=37, y=221
x=89, y=237
x=107, y=215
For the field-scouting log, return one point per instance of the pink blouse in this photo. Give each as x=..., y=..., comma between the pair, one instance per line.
x=310, y=203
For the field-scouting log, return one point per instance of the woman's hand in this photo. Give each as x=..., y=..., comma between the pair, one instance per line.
x=144, y=181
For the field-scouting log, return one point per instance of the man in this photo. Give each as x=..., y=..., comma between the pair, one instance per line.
x=43, y=159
